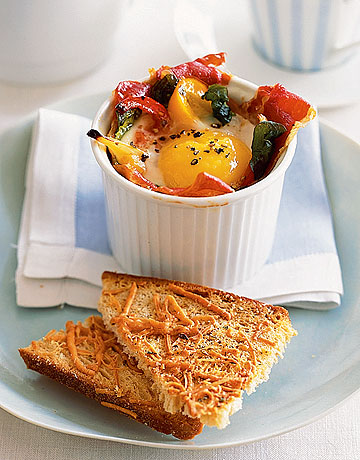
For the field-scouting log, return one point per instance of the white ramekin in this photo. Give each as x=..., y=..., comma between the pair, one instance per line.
x=218, y=241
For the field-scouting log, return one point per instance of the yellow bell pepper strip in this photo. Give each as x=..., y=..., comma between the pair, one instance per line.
x=121, y=152
x=186, y=104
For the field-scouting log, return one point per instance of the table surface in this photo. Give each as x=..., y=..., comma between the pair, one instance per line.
x=336, y=436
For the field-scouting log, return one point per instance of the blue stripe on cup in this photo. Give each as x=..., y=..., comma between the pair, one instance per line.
x=274, y=23
x=297, y=39
x=293, y=33
x=321, y=34
x=259, y=36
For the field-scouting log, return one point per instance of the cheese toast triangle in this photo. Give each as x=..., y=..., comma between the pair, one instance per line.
x=201, y=347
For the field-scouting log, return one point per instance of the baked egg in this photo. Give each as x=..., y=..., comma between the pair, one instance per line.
x=195, y=141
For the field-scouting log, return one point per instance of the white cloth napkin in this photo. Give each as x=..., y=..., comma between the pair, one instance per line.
x=63, y=246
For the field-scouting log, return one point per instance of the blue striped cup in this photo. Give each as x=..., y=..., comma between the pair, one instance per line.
x=306, y=35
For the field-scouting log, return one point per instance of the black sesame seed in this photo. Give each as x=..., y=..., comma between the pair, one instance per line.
x=157, y=150
x=196, y=152
x=207, y=151
x=195, y=161
x=132, y=144
x=183, y=131
x=192, y=148
x=227, y=155
x=142, y=97
x=219, y=150
x=173, y=136
x=162, y=138
x=198, y=134
x=188, y=134
x=175, y=146
x=144, y=157
x=155, y=142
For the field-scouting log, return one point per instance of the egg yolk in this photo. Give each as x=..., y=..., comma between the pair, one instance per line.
x=186, y=106
x=192, y=152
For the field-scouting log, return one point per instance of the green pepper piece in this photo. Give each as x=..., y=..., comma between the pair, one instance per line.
x=163, y=89
x=218, y=95
x=262, y=146
x=126, y=121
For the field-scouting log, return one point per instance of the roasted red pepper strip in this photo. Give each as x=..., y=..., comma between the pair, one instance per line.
x=249, y=178
x=200, y=69
x=204, y=185
x=278, y=104
x=130, y=88
x=282, y=106
x=214, y=59
x=149, y=105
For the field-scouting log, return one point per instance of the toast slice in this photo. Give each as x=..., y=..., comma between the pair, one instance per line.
x=88, y=359
x=201, y=347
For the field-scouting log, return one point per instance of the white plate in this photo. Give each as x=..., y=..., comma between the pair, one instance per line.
x=321, y=366
x=205, y=26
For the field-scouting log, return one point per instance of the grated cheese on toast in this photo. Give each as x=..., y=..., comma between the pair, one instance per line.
x=87, y=358
x=201, y=347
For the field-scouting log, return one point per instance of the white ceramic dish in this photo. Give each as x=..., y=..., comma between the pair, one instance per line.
x=320, y=370
x=217, y=241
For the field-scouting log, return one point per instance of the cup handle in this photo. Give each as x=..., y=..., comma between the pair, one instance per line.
x=350, y=20
x=349, y=47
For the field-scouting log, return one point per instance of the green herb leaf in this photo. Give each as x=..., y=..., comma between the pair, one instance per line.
x=262, y=145
x=126, y=121
x=218, y=95
x=163, y=89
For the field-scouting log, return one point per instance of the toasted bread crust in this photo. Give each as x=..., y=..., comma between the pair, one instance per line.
x=223, y=344
x=149, y=412
x=108, y=278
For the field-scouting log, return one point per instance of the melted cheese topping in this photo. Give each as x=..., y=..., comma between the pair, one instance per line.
x=203, y=361
x=91, y=347
x=184, y=335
